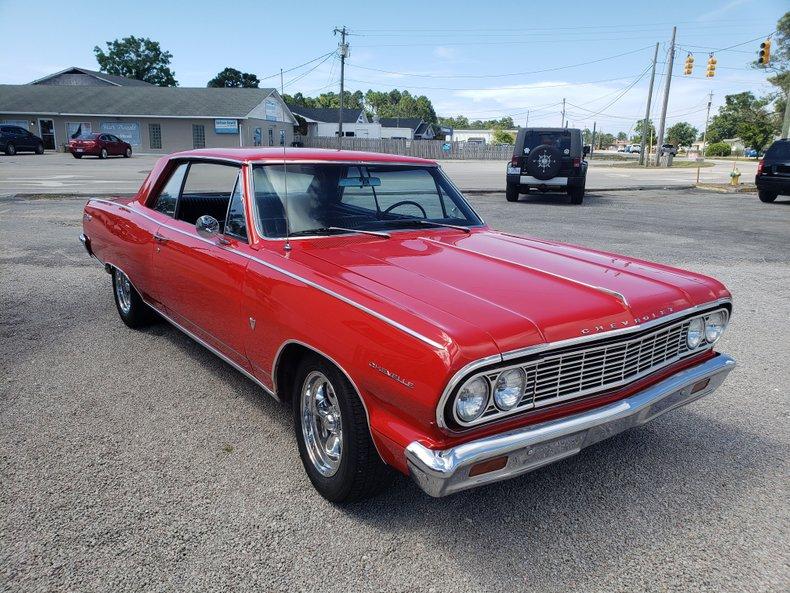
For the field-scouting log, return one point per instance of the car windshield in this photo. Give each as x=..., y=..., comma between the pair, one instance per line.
x=561, y=140
x=327, y=198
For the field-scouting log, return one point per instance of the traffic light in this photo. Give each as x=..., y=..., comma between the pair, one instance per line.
x=711, y=67
x=689, y=66
x=764, y=53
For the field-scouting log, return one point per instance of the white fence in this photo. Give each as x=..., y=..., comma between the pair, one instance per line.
x=427, y=149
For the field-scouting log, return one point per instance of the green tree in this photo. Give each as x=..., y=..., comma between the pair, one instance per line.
x=746, y=117
x=718, y=149
x=622, y=136
x=503, y=137
x=232, y=78
x=397, y=103
x=651, y=131
x=779, y=64
x=138, y=58
x=681, y=134
x=458, y=122
x=604, y=140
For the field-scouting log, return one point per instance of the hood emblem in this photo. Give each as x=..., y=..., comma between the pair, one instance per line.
x=605, y=327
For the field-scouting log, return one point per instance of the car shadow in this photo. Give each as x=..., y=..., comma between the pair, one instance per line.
x=619, y=498
x=560, y=199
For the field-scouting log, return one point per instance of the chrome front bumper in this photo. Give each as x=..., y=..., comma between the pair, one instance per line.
x=442, y=472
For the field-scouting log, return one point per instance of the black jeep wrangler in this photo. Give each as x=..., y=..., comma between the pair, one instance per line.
x=548, y=159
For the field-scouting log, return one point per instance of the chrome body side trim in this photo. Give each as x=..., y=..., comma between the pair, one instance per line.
x=291, y=275
x=203, y=343
x=467, y=370
x=442, y=472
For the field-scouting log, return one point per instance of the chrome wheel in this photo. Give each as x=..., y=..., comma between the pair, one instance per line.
x=123, y=292
x=322, y=425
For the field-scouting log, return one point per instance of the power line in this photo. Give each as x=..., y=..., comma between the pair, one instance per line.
x=296, y=67
x=313, y=69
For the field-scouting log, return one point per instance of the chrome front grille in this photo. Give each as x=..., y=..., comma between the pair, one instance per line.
x=580, y=371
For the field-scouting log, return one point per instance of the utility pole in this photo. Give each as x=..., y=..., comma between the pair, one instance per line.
x=592, y=142
x=563, y=113
x=343, y=55
x=647, y=109
x=660, y=137
x=786, y=122
x=705, y=133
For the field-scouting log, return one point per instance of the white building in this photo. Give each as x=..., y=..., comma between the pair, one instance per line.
x=324, y=122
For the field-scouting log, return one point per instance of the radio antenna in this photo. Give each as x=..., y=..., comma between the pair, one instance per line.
x=287, y=246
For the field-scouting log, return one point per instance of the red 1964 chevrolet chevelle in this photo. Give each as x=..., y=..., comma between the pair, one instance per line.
x=365, y=292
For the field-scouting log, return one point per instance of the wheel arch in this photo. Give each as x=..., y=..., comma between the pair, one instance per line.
x=285, y=361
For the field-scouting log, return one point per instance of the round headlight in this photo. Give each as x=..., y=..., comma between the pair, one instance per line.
x=714, y=326
x=696, y=332
x=472, y=399
x=509, y=388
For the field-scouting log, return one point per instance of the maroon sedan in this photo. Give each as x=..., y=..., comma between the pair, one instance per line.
x=100, y=145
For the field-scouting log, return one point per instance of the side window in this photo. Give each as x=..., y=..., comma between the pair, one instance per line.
x=235, y=223
x=167, y=199
x=207, y=191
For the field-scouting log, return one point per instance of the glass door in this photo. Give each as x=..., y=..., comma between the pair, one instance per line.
x=47, y=129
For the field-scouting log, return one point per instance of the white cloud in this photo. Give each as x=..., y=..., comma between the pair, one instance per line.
x=445, y=53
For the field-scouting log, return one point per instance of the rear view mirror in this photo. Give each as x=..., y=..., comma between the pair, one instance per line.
x=360, y=182
x=586, y=149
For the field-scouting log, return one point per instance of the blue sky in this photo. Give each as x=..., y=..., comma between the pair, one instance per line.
x=463, y=55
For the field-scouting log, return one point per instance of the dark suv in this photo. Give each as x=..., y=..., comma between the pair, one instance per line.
x=548, y=159
x=14, y=139
x=773, y=172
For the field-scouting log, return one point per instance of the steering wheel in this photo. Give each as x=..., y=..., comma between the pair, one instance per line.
x=406, y=203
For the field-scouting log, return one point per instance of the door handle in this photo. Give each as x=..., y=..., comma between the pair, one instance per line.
x=159, y=238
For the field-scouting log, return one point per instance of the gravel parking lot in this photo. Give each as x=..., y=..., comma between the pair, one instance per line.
x=138, y=461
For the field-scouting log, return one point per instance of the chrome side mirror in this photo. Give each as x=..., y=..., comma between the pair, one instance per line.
x=208, y=228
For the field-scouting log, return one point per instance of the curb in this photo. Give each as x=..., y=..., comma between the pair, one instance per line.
x=593, y=189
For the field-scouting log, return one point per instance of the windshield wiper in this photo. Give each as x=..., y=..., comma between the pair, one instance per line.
x=443, y=224
x=330, y=229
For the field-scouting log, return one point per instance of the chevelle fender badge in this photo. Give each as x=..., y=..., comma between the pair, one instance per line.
x=627, y=322
x=391, y=375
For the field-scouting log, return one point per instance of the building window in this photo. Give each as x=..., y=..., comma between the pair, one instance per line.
x=271, y=137
x=349, y=134
x=198, y=136
x=282, y=137
x=155, y=136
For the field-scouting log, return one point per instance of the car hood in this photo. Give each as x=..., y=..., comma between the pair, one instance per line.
x=514, y=291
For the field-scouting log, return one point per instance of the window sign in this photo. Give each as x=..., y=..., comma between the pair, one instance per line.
x=226, y=126
x=75, y=128
x=270, y=106
x=127, y=131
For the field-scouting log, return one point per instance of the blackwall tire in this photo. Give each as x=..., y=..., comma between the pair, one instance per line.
x=577, y=195
x=332, y=433
x=127, y=153
x=39, y=148
x=103, y=153
x=511, y=193
x=766, y=196
x=10, y=149
x=133, y=311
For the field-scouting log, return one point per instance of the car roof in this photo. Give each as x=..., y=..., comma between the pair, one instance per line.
x=299, y=154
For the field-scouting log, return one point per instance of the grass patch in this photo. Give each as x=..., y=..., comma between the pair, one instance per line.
x=227, y=448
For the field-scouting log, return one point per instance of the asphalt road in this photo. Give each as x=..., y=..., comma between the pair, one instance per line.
x=58, y=173
x=138, y=461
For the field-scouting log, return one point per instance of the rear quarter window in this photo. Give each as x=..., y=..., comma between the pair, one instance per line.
x=780, y=150
x=560, y=140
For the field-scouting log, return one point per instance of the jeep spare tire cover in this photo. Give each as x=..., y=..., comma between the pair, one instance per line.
x=544, y=161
